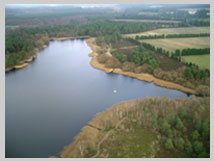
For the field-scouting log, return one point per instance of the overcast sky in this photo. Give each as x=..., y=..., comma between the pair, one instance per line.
x=77, y=5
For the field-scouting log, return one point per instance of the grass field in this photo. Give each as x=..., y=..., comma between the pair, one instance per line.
x=183, y=30
x=136, y=143
x=12, y=26
x=145, y=20
x=203, y=61
x=180, y=43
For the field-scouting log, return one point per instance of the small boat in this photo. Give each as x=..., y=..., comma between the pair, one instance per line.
x=114, y=91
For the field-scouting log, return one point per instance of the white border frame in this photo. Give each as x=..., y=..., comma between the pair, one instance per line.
x=2, y=65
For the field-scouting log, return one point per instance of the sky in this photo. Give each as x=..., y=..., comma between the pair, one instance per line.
x=54, y=5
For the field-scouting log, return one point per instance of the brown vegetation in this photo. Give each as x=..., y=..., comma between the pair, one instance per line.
x=70, y=38
x=170, y=73
x=140, y=111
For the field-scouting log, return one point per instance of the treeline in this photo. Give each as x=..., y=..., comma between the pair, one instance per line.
x=108, y=39
x=162, y=36
x=174, y=55
x=204, y=51
x=195, y=144
x=186, y=52
x=192, y=72
x=101, y=28
x=21, y=44
x=187, y=35
x=140, y=57
x=23, y=41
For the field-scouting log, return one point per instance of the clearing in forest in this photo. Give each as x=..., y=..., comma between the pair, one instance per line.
x=203, y=61
x=180, y=43
x=166, y=31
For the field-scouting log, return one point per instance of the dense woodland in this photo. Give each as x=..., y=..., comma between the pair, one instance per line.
x=25, y=32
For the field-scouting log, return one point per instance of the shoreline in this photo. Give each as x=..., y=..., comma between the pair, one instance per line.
x=142, y=76
x=69, y=38
x=26, y=61
x=92, y=134
x=94, y=131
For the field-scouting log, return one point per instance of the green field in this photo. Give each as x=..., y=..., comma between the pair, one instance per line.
x=203, y=61
x=12, y=26
x=180, y=43
x=182, y=30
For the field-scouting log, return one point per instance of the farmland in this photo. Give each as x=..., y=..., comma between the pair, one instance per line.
x=180, y=43
x=181, y=30
x=202, y=61
x=154, y=21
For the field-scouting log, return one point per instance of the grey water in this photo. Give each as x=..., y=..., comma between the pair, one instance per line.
x=50, y=100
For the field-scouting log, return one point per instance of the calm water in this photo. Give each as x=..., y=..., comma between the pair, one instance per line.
x=49, y=101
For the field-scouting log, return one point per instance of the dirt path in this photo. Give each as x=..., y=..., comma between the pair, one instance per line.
x=106, y=136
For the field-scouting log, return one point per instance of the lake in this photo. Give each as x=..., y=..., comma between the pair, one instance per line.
x=50, y=100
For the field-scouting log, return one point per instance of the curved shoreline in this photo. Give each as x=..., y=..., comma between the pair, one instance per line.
x=142, y=76
x=26, y=61
x=69, y=38
x=93, y=134
x=23, y=63
x=94, y=131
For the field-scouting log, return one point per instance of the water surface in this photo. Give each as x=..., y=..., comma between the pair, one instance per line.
x=50, y=100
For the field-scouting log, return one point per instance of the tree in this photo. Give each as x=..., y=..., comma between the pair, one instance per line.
x=168, y=133
x=180, y=144
x=198, y=147
x=204, y=154
x=181, y=112
x=179, y=124
x=172, y=120
x=165, y=127
x=206, y=130
x=195, y=135
x=169, y=144
x=198, y=125
x=121, y=57
x=188, y=147
x=188, y=74
x=154, y=123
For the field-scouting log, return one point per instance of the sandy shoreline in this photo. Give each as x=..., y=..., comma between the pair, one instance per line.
x=142, y=76
x=25, y=62
x=93, y=132
x=71, y=38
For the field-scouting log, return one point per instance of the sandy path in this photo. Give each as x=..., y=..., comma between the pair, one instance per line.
x=106, y=136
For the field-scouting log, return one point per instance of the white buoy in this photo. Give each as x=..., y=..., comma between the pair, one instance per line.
x=114, y=91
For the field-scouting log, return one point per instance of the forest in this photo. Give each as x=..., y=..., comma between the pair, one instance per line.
x=171, y=128
x=22, y=40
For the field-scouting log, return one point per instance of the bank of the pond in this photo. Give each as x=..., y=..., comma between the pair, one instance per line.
x=92, y=133
x=70, y=38
x=88, y=142
x=25, y=62
x=141, y=76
